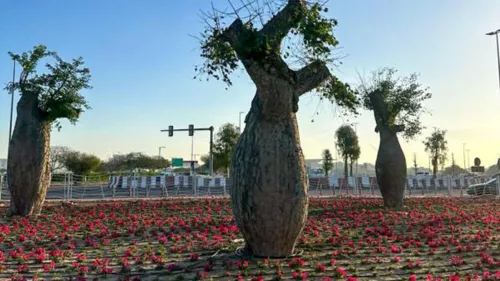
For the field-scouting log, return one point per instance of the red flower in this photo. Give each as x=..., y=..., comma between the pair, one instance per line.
x=320, y=268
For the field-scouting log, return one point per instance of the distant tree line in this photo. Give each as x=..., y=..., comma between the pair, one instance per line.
x=82, y=163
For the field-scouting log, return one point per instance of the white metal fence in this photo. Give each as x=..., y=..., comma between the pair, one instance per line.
x=71, y=187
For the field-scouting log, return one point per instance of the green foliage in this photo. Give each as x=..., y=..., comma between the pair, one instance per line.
x=437, y=146
x=327, y=161
x=317, y=33
x=491, y=170
x=135, y=160
x=58, y=89
x=402, y=99
x=341, y=94
x=355, y=151
x=220, y=59
x=454, y=170
x=305, y=21
x=347, y=143
x=81, y=163
x=224, y=145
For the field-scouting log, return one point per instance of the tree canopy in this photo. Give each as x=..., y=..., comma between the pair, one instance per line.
x=275, y=36
x=224, y=145
x=348, y=145
x=454, y=170
x=397, y=102
x=58, y=88
x=81, y=163
x=135, y=160
x=347, y=142
x=437, y=146
x=327, y=160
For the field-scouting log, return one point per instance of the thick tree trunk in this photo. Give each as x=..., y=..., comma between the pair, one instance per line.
x=268, y=174
x=391, y=169
x=350, y=168
x=28, y=164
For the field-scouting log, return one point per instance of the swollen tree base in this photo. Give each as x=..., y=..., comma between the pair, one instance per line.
x=28, y=169
x=390, y=169
x=269, y=184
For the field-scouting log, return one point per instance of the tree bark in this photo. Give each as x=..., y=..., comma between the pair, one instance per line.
x=391, y=169
x=350, y=167
x=268, y=174
x=390, y=166
x=28, y=161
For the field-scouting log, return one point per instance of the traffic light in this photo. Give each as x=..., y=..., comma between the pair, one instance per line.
x=191, y=130
x=170, y=131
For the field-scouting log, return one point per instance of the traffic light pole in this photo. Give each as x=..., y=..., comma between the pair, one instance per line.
x=191, y=130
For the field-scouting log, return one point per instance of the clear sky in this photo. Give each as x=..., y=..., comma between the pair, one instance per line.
x=142, y=59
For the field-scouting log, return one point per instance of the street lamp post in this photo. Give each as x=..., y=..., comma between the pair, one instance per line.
x=159, y=150
x=463, y=151
x=239, y=120
x=498, y=50
x=468, y=158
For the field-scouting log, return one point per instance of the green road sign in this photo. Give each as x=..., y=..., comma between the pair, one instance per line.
x=177, y=162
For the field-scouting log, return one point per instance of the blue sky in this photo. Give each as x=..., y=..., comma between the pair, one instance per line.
x=142, y=59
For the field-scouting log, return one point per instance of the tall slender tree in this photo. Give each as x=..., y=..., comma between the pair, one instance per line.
x=397, y=104
x=327, y=161
x=437, y=146
x=46, y=97
x=224, y=146
x=348, y=147
x=268, y=173
x=354, y=155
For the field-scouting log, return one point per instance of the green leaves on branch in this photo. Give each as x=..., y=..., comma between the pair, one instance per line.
x=341, y=94
x=220, y=59
x=58, y=89
x=223, y=46
x=396, y=101
x=317, y=33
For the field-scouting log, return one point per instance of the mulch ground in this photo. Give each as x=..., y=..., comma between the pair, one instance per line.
x=195, y=239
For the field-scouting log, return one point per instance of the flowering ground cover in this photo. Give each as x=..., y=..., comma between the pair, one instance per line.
x=195, y=239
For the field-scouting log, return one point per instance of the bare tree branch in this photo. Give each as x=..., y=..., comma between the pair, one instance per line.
x=278, y=26
x=311, y=76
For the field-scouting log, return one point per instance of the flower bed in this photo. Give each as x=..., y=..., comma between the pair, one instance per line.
x=345, y=238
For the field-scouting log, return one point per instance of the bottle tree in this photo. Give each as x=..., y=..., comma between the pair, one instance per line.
x=268, y=173
x=397, y=104
x=46, y=97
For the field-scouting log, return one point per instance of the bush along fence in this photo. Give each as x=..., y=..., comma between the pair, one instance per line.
x=71, y=187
